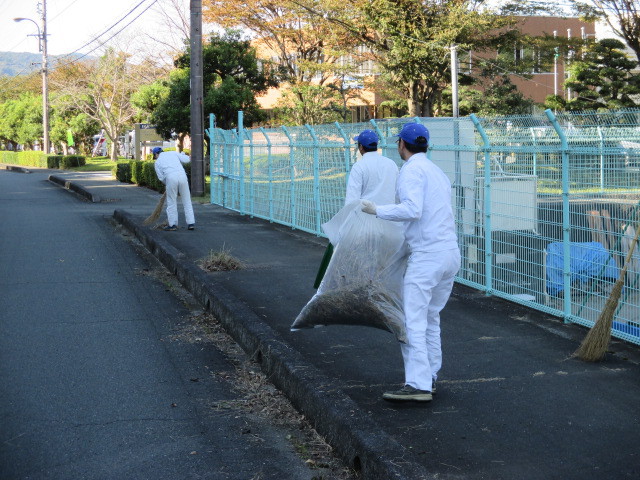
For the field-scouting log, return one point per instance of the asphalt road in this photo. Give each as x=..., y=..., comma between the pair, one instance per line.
x=98, y=379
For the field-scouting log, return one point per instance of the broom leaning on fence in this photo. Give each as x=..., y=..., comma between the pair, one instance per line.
x=156, y=213
x=594, y=346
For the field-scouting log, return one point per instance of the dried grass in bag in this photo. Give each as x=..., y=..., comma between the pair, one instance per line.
x=363, y=281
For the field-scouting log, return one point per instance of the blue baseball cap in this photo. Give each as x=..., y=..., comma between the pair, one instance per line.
x=415, y=134
x=367, y=138
x=156, y=150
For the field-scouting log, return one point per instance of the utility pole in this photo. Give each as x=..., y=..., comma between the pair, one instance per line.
x=454, y=80
x=45, y=83
x=197, y=114
x=42, y=47
x=555, y=66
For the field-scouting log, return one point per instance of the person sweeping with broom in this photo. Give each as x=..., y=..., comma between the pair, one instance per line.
x=169, y=169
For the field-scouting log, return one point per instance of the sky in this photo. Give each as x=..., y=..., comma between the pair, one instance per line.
x=73, y=25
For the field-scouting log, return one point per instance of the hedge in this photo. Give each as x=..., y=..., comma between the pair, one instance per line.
x=35, y=158
x=141, y=173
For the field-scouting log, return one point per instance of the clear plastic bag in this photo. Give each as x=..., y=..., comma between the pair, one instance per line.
x=363, y=281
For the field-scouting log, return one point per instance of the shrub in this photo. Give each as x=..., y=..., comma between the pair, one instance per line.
x=38, y=159
x=53, y=161
x=136, y=171
x=26, y=158
x=122, y=172
x=72, y=161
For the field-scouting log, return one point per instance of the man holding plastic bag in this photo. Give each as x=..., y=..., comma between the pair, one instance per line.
x=362, y=284
x=424, y=195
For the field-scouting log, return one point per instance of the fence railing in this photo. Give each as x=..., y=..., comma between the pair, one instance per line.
x=546, y=207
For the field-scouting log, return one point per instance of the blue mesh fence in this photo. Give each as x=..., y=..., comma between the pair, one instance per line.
x=546, y=207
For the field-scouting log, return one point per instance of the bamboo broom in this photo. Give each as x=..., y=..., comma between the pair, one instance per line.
x=156, y=213
x=594, y=346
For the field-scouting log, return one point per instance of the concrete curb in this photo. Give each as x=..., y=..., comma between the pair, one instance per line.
x=80, y=190
x=354, y=436
x=13, y=168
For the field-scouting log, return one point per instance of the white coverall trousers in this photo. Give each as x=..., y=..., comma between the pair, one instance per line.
x=428, y=282
x=178, y=184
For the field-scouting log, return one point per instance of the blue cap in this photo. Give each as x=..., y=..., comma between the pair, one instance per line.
x=367, y=138
x=415, y=134
x=156, y=150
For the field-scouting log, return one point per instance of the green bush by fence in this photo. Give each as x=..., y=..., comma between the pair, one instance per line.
x=34, y=158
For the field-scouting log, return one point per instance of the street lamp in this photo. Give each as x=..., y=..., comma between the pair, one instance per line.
x=42, y=47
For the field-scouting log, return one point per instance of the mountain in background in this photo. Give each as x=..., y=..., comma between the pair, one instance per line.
x=22, y=63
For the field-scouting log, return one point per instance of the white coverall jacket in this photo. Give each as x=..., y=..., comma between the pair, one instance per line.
x=170, y=171
x=372, y=178
x=424, y=193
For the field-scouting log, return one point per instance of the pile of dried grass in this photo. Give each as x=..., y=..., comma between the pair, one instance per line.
x=220, y=260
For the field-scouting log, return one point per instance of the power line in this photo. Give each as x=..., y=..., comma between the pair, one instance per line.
x=105, y=32
x=60, y=59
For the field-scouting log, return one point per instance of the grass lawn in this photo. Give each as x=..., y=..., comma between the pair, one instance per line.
x=98, y=164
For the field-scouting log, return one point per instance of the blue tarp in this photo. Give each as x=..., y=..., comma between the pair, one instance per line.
x=629, y=329
x=588, y=261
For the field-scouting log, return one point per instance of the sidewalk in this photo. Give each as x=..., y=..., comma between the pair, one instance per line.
x=511, y=404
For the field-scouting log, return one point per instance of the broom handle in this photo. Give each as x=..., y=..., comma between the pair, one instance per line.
x=629, y=254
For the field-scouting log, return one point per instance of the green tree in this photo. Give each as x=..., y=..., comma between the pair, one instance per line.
x=497, y=95
x=232, y=77
x=602, y=79
x=303, y=42
x=21, y=120
x=172, y=112
x=623, y=16
x=147, y=99
x=102, y=90
x=310, y=104
x=64, y=120
x=410, y=40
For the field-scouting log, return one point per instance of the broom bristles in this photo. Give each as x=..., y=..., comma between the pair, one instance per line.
x=594, y=346
x=158, y=210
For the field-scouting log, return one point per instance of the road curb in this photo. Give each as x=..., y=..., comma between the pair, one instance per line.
x=13, y=168
x=71, y=186
x=352, y=433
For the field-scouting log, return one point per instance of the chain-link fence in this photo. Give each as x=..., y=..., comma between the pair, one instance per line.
x=546, y=207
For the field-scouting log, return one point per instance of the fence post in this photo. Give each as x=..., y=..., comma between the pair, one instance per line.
x=566, y=219
x=227, y=161
x=212, y=156
x=241, y=160
x=270, y=172
x=486, y=204
x=535, y=152
x=347, y=155
x=374, y=124
x=292, y=172
x=316, y=178
x=601, y=147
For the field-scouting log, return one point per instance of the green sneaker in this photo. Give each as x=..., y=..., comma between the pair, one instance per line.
x=408, y=394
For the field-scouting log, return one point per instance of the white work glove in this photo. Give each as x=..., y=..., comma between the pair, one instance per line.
x=368, y=207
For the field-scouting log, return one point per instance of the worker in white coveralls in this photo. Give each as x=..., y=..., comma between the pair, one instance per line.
x=373, y=177
x=169, y=169
x=424, y=196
